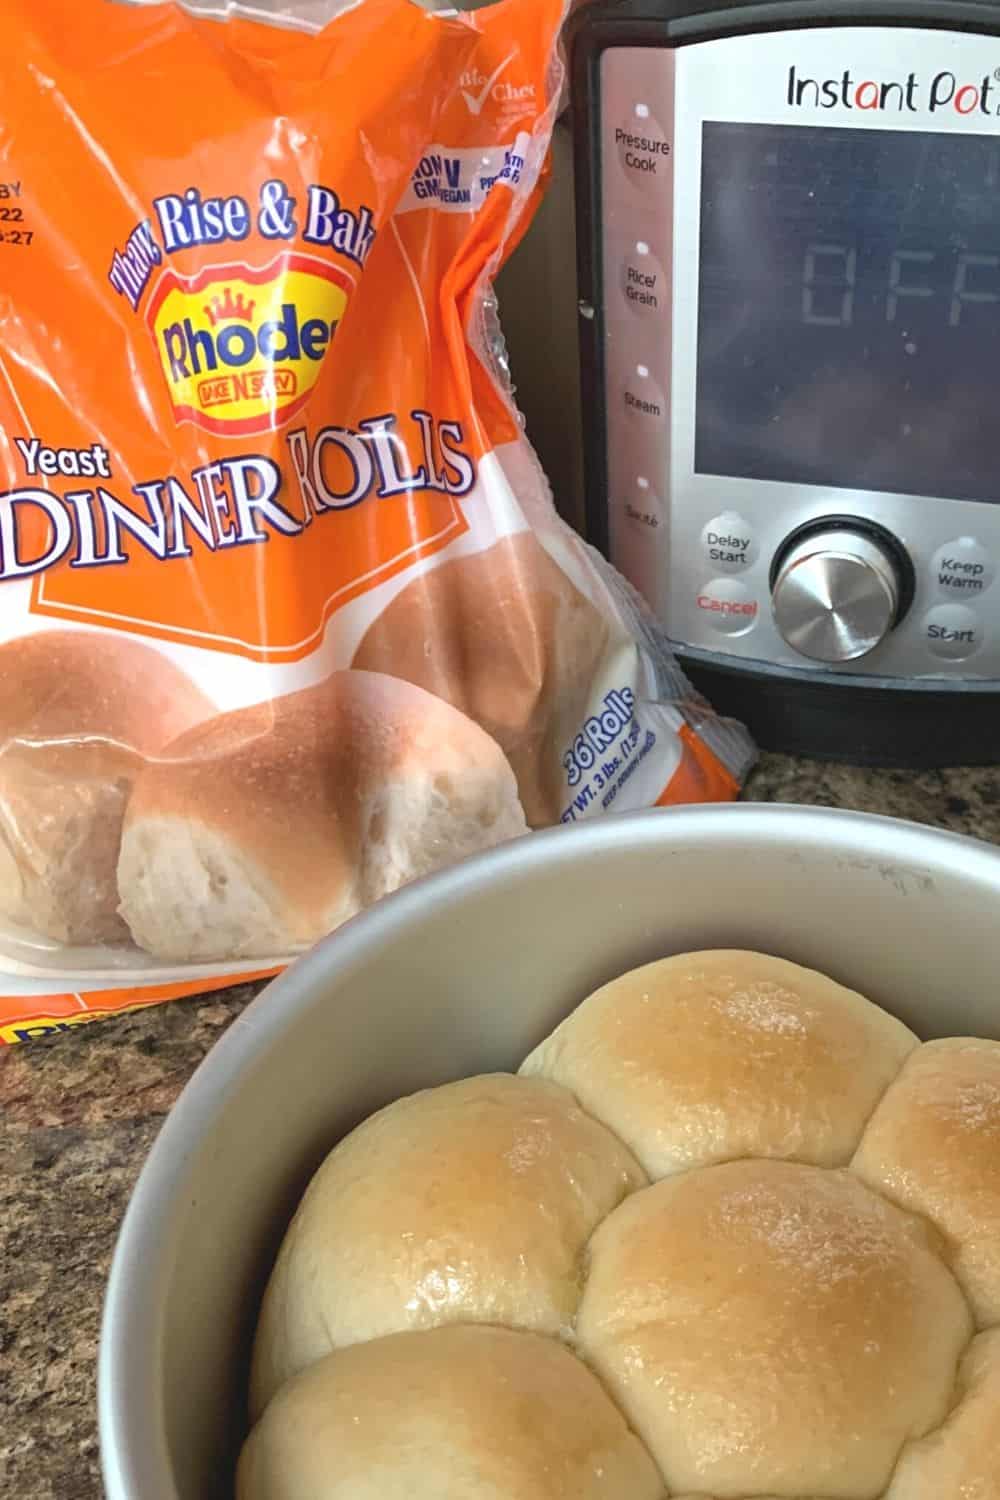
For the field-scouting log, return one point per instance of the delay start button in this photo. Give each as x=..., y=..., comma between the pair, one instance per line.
x=728, y=606
x=952, y=632
x=729, y=542
x=643, y=148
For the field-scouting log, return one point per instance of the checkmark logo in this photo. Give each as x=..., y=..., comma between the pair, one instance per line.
x=475, y=102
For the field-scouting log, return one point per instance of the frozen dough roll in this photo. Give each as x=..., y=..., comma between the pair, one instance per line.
x=265, y=828
x=79, y=714
x=506, y=637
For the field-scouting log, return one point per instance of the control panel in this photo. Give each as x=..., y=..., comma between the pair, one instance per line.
x=798, y=308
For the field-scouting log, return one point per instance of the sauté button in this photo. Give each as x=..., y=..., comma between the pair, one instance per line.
x=952, y=631
x=643, y=148
x=962, y=569
x=728, y=606
x=729, y=542
x=642, y=281
x=641, y=506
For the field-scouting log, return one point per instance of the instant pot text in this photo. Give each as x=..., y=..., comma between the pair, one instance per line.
x=945, y=91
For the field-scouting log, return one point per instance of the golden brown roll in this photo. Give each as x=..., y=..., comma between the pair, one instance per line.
x=933, y=1146
x=772, y=1329
x=471, y=1202
x=706, y=1057
x=460, y=1413
x=80, y=712
x=960, y=1461
x=506, y=637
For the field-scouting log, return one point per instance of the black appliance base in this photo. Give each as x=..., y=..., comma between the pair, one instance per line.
x=897, y=726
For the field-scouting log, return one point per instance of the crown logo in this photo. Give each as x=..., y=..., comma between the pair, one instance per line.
x=227, y=309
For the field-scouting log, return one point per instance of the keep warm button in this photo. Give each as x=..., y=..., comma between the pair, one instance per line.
x=728, y=606
x=953, y=632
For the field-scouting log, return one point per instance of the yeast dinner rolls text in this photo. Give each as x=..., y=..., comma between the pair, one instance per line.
x=933, y=1146
x=770, y=1328
x=470, y=1202
x=459, y=1413
x=506, y=637
x=706, y=1057
x=78, y=715
x=263, y=829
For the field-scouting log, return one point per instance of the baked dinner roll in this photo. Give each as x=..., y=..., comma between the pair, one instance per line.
x=933, y=1145
x=471, y=1202
x=460, y=1413
x=707, y=1057
x=774, y=1329
x=79, y=711
x=962, y=1460
x=263, y=829
x=506, y=637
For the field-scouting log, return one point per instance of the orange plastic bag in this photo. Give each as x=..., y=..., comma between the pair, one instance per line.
x=286, y=614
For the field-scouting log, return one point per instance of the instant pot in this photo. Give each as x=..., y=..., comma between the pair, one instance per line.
x=787, y=228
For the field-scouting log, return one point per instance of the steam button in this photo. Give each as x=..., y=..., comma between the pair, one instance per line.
x=642, y=398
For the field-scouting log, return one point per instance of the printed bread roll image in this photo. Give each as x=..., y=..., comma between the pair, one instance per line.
x=80, y=711
x=506, y=637
x=707, y=1057
x=770, y=1328
x=961, y=1460
x=263, y=829
x=471, y=1202
x=933, y=1146
x=479, y=1413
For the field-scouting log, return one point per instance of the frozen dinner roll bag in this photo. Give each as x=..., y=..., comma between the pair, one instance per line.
x=287, y=614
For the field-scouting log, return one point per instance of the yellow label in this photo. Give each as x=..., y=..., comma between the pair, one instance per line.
x=241, y=349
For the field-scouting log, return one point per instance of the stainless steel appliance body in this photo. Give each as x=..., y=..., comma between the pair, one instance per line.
x=788, y=220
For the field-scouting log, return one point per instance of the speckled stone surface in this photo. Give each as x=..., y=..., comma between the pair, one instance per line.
x=79, y=1113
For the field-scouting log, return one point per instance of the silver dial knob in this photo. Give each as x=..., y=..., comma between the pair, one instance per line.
x=835, y=595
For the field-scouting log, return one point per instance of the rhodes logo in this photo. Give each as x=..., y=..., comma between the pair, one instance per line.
x=241, y=349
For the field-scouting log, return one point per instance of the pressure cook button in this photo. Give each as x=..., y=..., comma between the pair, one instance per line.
x=962, y=569
x=953, y=632
x=642, y=280
x=729, y=606
x=729, y=542
x=643, y=148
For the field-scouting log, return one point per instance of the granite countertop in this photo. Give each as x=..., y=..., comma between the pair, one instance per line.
x=79, y=1113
